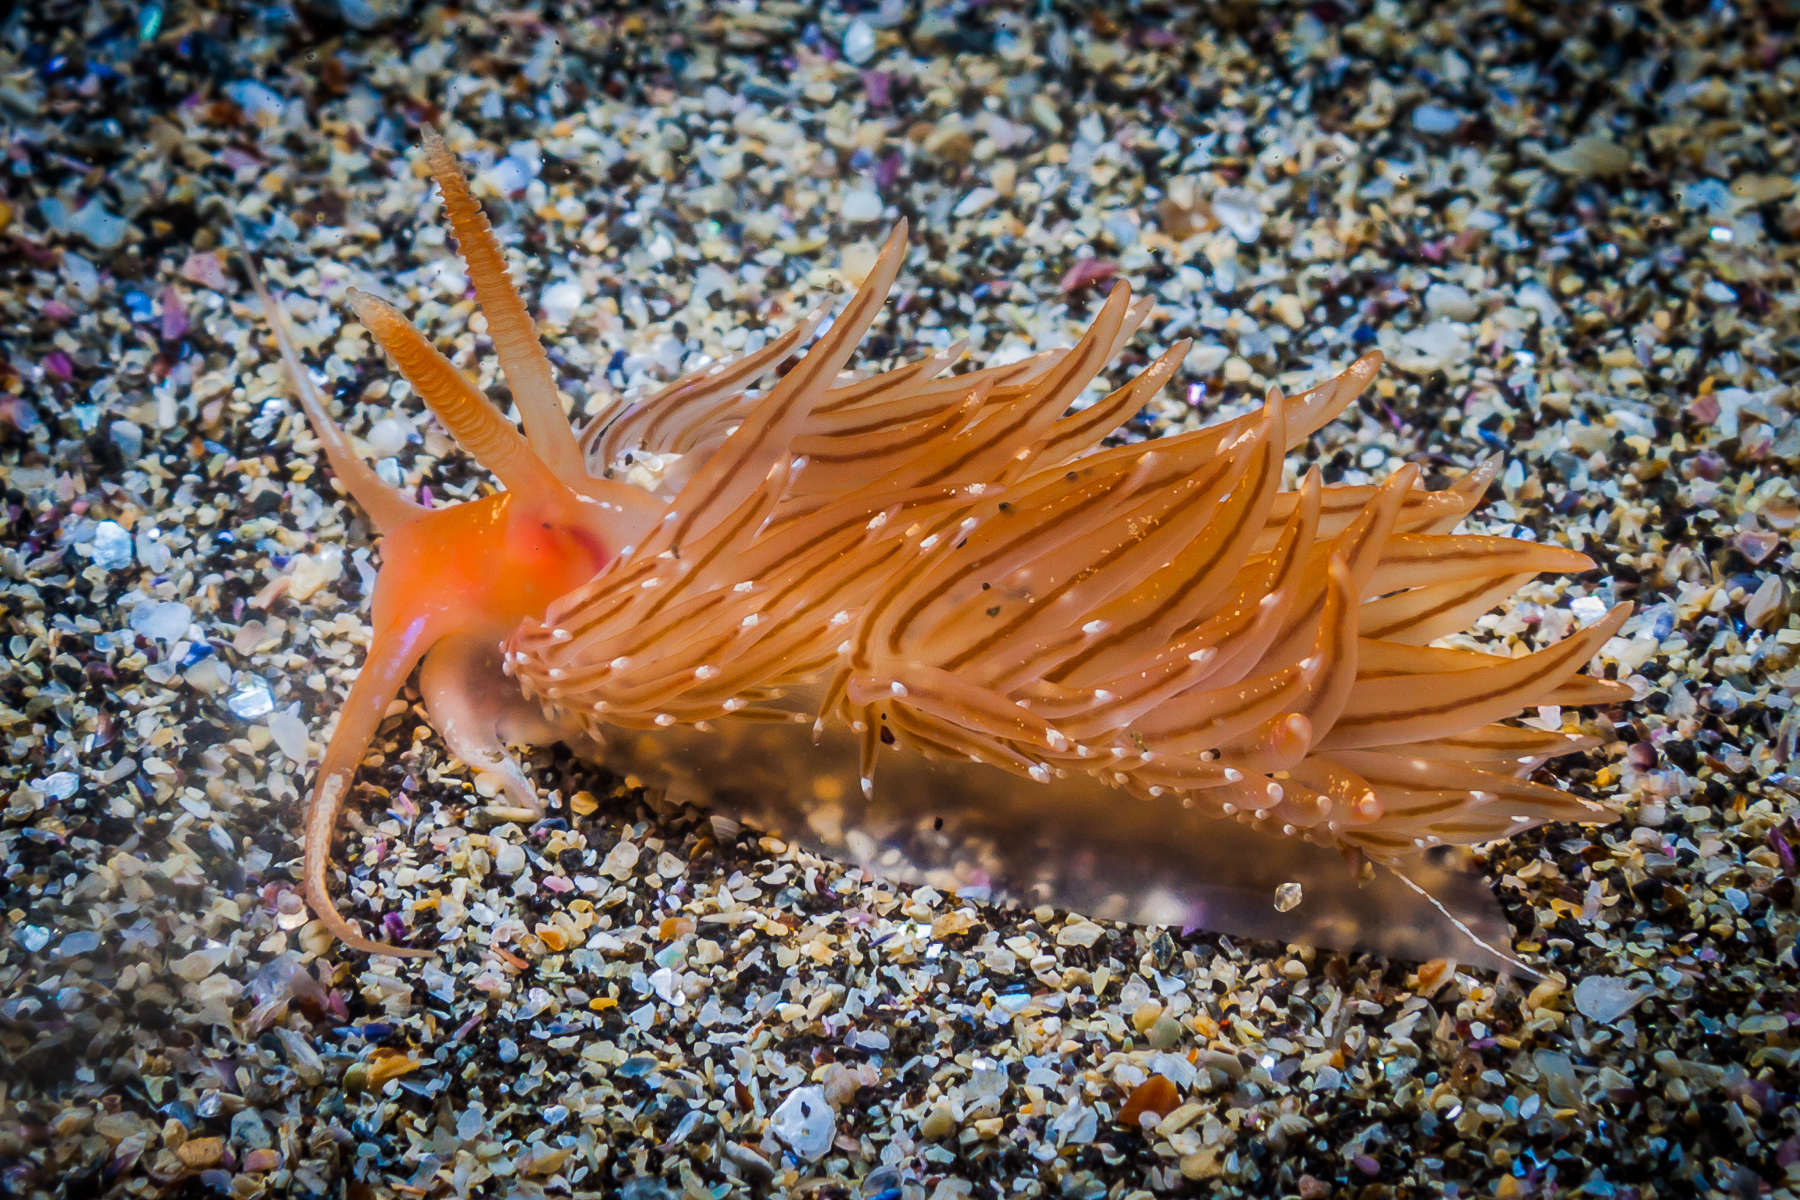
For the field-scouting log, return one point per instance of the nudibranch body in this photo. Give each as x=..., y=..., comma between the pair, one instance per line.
x=954, y=567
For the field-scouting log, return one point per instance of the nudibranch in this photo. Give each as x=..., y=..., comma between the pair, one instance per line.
x=955, y=567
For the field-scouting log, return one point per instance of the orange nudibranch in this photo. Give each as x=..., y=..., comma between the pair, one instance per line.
x=957, y=570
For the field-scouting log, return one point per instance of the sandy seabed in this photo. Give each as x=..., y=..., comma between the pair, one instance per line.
x=1571, y=228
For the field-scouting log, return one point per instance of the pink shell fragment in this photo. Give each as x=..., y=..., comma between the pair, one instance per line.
x=1088, y=271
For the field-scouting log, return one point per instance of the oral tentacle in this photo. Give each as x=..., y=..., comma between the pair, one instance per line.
x=476, y=425
x=392, y=656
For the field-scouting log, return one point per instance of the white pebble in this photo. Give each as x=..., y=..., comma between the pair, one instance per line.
x=861, y=205
x=1452, y=301
x=1605, y=999
x=976, y=201
x=560, y=300
x=164, y=621
x=805, y=1122
x=859, y=42
x=508, y=858
x=289, y=732
x=388, y=436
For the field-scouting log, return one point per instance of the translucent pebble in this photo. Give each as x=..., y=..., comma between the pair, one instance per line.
x=32, y=938
x=470, y=1123
x=198, y=965
x=251, y=700
x=308, y=572
x=509, y=1050
x=255, y=98
x=112, y=546
x=164, y=621
x=859, y=42
x=1537, y=297
x=1436, y=119
x=805, y=1122
x=1079, y=932
x=305, y=506
x=103, y=229
x=388, y=436
x=976, y=201
x=716, y=99
x=289, y=732
x=1431, y=347
x=1557, y=1075
x=560, y=300
x=1288, y=897
x=85, y=942
x=685, y=1129
x=248, y=1128
x=150, y=549
x=59, y=786
x=508, y=176
x=636, y=1067
x=1452, y=301
x=667, y=987
x=81, y=274
x=1237, y=210
x=620, y=860
x=861, y=205
x=1591, y=156
x=1120, y=228
x=1605, y=999
x=537, y=1000
x=1588, y=609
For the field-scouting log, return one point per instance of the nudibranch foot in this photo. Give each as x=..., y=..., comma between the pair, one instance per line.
x=479, y=713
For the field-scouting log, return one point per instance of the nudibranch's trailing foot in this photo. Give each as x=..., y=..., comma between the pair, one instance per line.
x=957, y=568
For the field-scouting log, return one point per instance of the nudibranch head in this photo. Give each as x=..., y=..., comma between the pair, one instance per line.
x=960, y=568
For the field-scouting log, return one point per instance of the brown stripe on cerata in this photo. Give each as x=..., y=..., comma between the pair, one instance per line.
x=1248, y=700
x=745, y=516
x=1197, y=494
x=897, y=632
x=792, y=386
x=1176, y=596
x=1418, y=618
x=1062, y=376
x=614, y=595
x=1407, y=714
x=940, y=422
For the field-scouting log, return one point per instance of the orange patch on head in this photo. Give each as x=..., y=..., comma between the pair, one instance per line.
x=483, y=567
